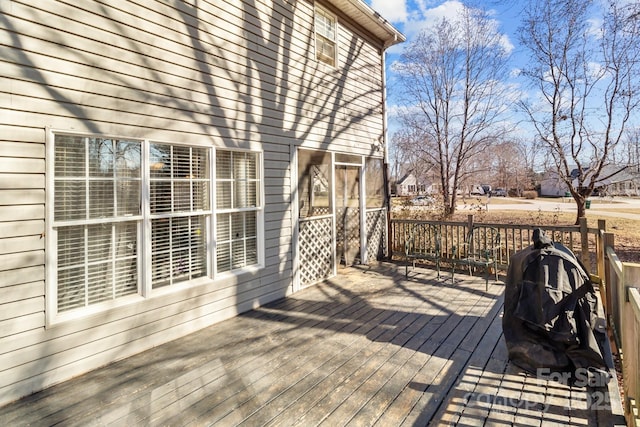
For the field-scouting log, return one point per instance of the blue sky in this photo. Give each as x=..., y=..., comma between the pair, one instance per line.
x=413, y=16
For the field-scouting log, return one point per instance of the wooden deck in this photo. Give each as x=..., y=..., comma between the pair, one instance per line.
x=368, y=347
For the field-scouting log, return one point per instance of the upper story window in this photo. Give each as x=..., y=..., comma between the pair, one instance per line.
x=132, y=216
x=326, y=37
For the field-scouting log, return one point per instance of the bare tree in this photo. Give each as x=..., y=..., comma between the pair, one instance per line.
x=511, y=165
x=453, y=96
x=586, y=77
x=629, y=153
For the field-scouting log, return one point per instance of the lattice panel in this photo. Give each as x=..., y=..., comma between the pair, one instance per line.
x=376, y=235
x=316, y=260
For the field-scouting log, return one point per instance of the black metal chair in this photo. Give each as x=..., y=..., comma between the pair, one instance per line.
x=480, y=249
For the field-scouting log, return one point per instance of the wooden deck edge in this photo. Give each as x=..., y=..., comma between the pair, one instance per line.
x=611, y=410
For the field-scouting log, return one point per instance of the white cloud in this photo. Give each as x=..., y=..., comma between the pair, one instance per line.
x=394, y=11
x=426, y=16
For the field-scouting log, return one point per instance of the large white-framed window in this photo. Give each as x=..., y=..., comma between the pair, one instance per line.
x=326, y=34
x=96, y=219
x=129, y=217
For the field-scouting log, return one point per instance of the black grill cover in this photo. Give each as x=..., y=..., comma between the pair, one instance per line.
x=550, y=310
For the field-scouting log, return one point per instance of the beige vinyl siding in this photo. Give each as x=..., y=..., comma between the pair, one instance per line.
x=183, y=73
x=216, y=75
x=22, y=243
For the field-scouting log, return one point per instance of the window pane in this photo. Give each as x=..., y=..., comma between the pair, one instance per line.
x=223, y=232
x=70, y=200
x=126, y=277
x=237, y=226
x=200, y=196
x=179, y=179
x=101, y=157
x=240, y=199
x=71, y=246
x=223, y=164
x=314, y=183
x=160, y=160
x=325, y=25
x=326, y=51
x=181, y=196
x=181, y=162
x=252, y=251
x=179, y=250
x=101, y=200
x=100, y=279
x=239, y=166
x=374, y=180
x=252, y=165
x=160, y=252
x=128, y=197
x=71, y=288
x=223, y=255
x=160, y=196
x=198, y=247
x=70, y=156
x=251, y=229
x=200, y=163
x=252, y=194
x=223, y=195
x=128, y=159
x=99, y=242
x=238, y=259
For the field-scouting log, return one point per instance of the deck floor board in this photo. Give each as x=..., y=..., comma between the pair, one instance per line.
x=369, y=347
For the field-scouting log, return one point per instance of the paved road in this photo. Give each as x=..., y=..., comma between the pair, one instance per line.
x=599, y=207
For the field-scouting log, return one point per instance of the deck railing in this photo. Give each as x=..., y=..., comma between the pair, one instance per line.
x=619, y=282
x=579, y=238
x=620, y=291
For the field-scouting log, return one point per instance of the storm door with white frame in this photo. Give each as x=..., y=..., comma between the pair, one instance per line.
x=347, y=211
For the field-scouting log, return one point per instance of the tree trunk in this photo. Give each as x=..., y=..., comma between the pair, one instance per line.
x=580, y=204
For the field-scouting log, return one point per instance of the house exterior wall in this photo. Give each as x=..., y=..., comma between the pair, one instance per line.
x=408, y=186
x=222, y=74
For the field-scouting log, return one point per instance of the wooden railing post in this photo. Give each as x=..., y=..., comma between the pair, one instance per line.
x=584, y=244
x=600, y=253
x=608, y=241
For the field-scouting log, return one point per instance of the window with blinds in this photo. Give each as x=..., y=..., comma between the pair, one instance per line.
x=326, y=37
x=237, y=209
x=179, y=207
x=133, y=216
x=97, y=218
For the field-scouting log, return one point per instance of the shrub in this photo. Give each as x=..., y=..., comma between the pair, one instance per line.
x=530, y=194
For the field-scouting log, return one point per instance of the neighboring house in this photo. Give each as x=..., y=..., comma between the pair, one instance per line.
x=407, y=185
x=624, y=183
x=552, y=186
x=410, y=185
x=165, y=165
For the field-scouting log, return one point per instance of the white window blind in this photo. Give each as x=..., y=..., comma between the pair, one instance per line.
x=111, y=243
x=96, y=215
x=179, y=179
x=237, y=204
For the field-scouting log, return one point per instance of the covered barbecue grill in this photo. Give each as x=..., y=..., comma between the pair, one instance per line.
x=550, y=310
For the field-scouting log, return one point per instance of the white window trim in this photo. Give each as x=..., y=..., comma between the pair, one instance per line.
x=324, y=11
x=259, y=216
x=145, y=291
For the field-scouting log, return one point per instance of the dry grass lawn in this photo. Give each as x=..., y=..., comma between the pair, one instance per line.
x=627, y=231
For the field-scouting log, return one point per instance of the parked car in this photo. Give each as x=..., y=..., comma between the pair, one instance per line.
x=499, y=192
x=422, y=200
